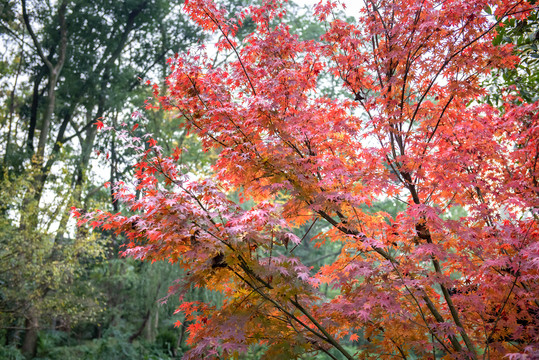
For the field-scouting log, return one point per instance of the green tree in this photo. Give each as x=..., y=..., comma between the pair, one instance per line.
x=68, y=64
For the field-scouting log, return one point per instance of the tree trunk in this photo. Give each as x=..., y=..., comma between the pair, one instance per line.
x=141, y=328
x=46, y=122
x=33, y=112
x=29, y=344
x=12, y=110
x=86, y=153
x=54, y=74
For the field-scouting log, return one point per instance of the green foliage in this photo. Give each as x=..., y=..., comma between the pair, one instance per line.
x=524, y=78
x=10, y=353
x=109, y=348
x=390, y=206
x=67, y=280
x=38, y=270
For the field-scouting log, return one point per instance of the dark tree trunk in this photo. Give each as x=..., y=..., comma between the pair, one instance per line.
x=33, y=113
x=29, y=344
x=139, y=331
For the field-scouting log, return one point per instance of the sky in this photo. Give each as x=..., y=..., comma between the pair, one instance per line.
x=351, y=6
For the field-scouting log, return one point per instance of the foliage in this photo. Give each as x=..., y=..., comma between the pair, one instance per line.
x=426, y=282
x=64, y=65
x=523, y=79
x=38, y=270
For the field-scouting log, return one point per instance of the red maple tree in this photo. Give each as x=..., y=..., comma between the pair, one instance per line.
x=412, y=128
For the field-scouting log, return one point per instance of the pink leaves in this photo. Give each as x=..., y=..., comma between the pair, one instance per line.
x=420, y=192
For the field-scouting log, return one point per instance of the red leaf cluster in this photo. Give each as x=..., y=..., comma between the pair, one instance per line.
x=411, y=127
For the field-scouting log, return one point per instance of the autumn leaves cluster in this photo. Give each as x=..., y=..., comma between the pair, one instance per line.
x=408, y=124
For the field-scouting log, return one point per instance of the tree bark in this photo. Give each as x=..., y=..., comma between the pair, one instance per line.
x=141, y=327
x=29, y=345
x=12, y=109
x=54, y=74
x=33, y=113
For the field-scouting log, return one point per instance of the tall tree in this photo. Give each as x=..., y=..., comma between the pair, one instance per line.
x=421, y=284
x=79, y=61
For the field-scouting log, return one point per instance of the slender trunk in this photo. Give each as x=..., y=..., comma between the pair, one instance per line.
x=113, y=175
x=60, y=138
x=54, y=73
x=41, y=175
x=150, y=332
x=88, y=144
x=137, y=333
x=86, y=153
x=33, y=113
x=46, y=121
x=145, y=322
x=155, y=324
x=29, y=345
x=181, y=337
x=12, y=110
x=76, y=180
x=79, y=175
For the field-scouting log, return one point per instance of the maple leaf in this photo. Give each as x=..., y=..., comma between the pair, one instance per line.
x=99, y=124
x=75, y=212
x=415, y=278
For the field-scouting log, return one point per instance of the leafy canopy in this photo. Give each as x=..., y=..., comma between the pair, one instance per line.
x=422, y=283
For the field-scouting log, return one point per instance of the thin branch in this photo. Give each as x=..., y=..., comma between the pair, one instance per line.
x=34, y=37
x=499, y=315
x=449, y=58
x=233, y=48
x=329, y=338
x=306, y=233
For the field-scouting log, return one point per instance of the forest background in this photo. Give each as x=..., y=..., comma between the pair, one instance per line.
x=64, y=291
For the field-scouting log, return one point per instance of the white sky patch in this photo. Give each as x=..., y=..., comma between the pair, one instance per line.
x=352, y=7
